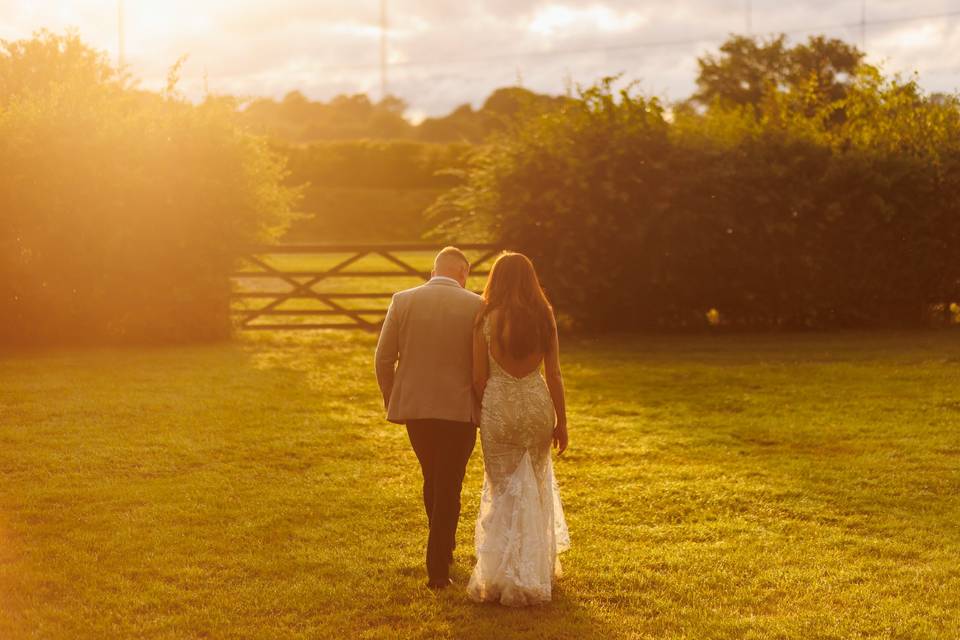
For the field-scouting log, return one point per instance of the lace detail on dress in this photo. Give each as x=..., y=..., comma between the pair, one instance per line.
x=521, y=528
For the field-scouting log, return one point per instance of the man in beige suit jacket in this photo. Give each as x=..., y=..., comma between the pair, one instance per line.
x=424, y=368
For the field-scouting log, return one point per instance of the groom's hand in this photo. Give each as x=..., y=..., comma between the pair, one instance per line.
x=560, y=438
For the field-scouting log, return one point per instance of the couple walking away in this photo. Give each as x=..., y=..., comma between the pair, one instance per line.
x=449, y=360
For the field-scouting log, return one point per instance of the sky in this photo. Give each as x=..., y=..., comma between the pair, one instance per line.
x=444, y=53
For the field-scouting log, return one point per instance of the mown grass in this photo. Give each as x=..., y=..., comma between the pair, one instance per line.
x=801, y=486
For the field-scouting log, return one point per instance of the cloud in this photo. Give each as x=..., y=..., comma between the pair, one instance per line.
x=447, y=53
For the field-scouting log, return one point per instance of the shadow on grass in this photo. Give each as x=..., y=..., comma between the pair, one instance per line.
x=451, y=613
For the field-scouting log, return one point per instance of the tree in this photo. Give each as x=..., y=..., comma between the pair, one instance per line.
x=122, y=212
x=748, y=71
x=501, y=107
x=37, y=64
x=345, y=117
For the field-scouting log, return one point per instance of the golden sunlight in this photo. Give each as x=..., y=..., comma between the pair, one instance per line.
x=338, y=318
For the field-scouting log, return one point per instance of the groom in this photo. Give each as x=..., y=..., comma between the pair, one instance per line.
x=429, y=329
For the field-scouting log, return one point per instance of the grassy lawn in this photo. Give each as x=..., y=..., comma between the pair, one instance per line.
x=802, y=486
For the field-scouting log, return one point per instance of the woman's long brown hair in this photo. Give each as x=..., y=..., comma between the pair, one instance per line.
x=525, y=317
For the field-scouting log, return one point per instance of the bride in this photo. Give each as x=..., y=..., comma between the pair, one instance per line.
x=521, y=528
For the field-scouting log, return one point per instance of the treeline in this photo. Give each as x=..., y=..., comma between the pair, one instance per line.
x=799, y=188
x=122, y=212
x=296, y=119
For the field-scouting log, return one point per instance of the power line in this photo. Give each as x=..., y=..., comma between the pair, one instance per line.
x=863, y=25
x=650, y=44
x=383, y=49
x=121, y=36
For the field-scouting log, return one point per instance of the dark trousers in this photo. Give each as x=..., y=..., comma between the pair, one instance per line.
x=443, y=448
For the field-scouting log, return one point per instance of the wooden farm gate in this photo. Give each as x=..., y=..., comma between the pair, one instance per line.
x=323, y=290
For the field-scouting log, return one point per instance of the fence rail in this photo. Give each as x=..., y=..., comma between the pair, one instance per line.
x=251, y=283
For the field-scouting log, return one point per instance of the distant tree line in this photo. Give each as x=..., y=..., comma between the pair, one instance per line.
x=297, y=119
x=798, y=188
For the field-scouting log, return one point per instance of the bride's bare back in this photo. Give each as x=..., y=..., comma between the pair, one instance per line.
x=517, y=367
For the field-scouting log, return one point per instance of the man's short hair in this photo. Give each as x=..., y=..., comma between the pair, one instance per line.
x=451, y=252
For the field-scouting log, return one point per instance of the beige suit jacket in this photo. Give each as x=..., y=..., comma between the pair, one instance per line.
x=424, y=356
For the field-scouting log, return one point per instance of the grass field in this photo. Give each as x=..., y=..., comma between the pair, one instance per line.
x=802, y=486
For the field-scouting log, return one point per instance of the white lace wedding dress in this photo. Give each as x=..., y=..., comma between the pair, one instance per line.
x=521, y=528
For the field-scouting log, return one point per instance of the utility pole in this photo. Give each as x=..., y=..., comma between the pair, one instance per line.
x=863, y=25
x=749, y=17
x=383, y=49
x=121, y=36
